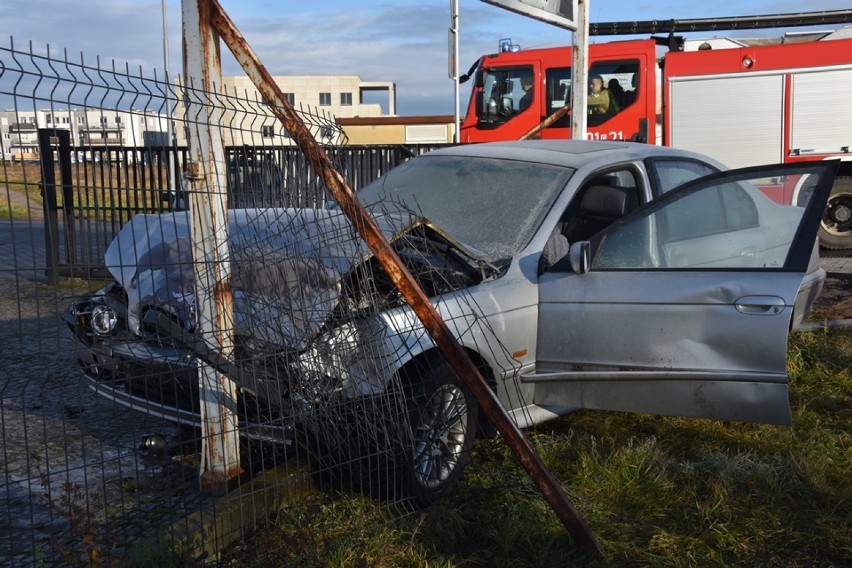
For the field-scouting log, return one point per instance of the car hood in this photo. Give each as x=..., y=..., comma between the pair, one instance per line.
x=286, y=267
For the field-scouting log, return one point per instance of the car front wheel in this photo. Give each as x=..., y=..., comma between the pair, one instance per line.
x=443, y=418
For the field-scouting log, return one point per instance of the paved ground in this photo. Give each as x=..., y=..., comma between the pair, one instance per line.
x=837, y=264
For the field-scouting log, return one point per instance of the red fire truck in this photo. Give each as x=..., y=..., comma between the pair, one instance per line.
x=744, y=106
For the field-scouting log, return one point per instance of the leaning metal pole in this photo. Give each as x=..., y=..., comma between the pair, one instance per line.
x=533, y=132
x=411, y=291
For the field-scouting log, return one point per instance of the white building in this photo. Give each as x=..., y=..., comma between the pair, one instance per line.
x=89, y=128
x=244, y=118
x=341, y=96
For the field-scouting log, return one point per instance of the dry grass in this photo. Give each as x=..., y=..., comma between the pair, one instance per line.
x=104, y=190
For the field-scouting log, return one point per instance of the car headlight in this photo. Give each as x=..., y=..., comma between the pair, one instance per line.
x=356, y=356
x=104, y=320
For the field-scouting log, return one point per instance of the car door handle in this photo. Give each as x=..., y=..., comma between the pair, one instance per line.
x=760, y=305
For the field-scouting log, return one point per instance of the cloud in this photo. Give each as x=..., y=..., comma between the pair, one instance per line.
x=376, y=40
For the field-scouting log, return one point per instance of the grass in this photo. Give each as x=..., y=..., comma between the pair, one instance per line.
x=20, y=192
x=656, y=491
x=105, y=190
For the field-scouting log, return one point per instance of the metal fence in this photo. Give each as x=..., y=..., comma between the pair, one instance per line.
x=96, y=275
x=89, y=192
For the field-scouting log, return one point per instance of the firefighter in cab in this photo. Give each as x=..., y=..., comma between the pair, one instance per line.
x=600, y=101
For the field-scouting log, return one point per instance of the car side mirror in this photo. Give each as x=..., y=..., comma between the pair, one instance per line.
x=579, y=256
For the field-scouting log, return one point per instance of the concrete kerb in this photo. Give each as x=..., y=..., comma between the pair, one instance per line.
x=207, y=532
x=828, y=324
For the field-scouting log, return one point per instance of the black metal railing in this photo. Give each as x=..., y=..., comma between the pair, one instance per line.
x=90, y=192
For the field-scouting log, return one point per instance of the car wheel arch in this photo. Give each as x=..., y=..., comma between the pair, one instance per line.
x=413, y=369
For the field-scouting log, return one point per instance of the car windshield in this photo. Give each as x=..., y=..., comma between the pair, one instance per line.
x=491, y=205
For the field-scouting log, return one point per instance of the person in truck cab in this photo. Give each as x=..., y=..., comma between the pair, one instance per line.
x=526, y=85
x=600, y=101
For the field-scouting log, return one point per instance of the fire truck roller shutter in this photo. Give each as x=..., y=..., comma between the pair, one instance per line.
x=733, y=119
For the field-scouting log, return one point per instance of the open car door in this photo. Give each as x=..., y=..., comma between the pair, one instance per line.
x=684, y=306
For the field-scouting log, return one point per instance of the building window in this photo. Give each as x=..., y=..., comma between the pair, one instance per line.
x=103, y=120
x=291, y=98
x=118, y=120
x=267, y=131
x=47, y=118
x=325, y=99
x=345, y=99
x=81, y=120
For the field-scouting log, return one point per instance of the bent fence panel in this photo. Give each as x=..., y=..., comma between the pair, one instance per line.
x=99, y=444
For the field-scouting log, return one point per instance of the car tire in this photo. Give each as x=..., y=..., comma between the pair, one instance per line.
x=412, y=442
x=443, y=417
x=835, y=230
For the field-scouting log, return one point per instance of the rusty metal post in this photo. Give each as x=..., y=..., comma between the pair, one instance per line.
x=411, y=291
x=206, y=171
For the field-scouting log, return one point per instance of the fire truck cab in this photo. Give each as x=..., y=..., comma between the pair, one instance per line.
x=495, y=112
x=744, y=106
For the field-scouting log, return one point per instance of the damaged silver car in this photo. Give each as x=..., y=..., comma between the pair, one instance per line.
x=576, y=274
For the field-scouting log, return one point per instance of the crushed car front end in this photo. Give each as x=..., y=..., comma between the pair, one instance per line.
x=309, y=326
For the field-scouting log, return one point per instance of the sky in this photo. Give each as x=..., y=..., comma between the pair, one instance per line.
x=378, y=40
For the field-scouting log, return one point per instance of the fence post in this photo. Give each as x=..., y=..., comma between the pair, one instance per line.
x=51, y=216
x=64, y=156
x=206, y=172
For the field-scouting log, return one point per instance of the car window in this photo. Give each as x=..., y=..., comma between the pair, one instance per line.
x=714, y=210
x=669, y=174
x=725, y=224
x=605, y=197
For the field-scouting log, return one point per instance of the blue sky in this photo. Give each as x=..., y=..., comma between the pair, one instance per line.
x=378, y=40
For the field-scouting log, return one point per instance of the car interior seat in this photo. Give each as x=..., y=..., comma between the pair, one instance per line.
x=600, y=205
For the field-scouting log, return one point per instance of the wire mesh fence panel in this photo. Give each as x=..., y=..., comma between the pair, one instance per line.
x=337, y=383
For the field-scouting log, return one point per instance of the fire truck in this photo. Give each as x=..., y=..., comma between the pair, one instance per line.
x=746, y=105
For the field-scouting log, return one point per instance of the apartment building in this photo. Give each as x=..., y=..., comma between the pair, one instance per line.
x=328, y=103
x=94, y=128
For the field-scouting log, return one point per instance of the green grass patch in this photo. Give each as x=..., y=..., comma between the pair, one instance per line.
x=656, y=491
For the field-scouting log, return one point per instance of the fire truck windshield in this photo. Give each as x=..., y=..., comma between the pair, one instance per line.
x=506, y=92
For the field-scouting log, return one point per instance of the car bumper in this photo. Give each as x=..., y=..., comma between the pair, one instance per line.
x=162, y=381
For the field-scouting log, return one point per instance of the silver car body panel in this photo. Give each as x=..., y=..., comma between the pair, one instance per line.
x=699, y=343
x=673, y=340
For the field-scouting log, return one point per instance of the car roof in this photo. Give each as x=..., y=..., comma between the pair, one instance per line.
x=571, y=153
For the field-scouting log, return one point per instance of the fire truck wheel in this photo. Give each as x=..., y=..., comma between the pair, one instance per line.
x=835, y=230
